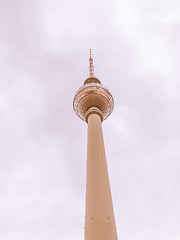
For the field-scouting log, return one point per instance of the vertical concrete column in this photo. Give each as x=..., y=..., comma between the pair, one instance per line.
x=99, y=215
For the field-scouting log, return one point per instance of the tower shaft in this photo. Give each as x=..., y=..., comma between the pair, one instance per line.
x=99, y=216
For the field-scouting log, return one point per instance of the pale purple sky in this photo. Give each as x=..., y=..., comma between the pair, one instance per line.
x=44, y=52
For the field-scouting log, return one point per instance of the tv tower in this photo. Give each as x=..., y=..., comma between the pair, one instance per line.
x=93, y=103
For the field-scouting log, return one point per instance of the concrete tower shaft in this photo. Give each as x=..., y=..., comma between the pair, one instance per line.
x=99, y=216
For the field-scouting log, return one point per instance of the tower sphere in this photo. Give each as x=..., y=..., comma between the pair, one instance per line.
x=93, y=97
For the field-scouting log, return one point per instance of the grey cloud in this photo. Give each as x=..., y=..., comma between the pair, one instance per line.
x=44, y=59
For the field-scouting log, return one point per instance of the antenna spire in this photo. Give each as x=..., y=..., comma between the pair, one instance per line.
x=91, y=66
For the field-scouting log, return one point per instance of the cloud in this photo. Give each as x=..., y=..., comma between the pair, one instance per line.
x=44, y=59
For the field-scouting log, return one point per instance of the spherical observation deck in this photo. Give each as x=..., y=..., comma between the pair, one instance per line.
x=93, y=97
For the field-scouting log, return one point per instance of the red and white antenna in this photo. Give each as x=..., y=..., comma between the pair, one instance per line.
x=91, y=66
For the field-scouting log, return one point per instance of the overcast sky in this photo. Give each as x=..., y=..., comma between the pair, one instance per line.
x=44, y=58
